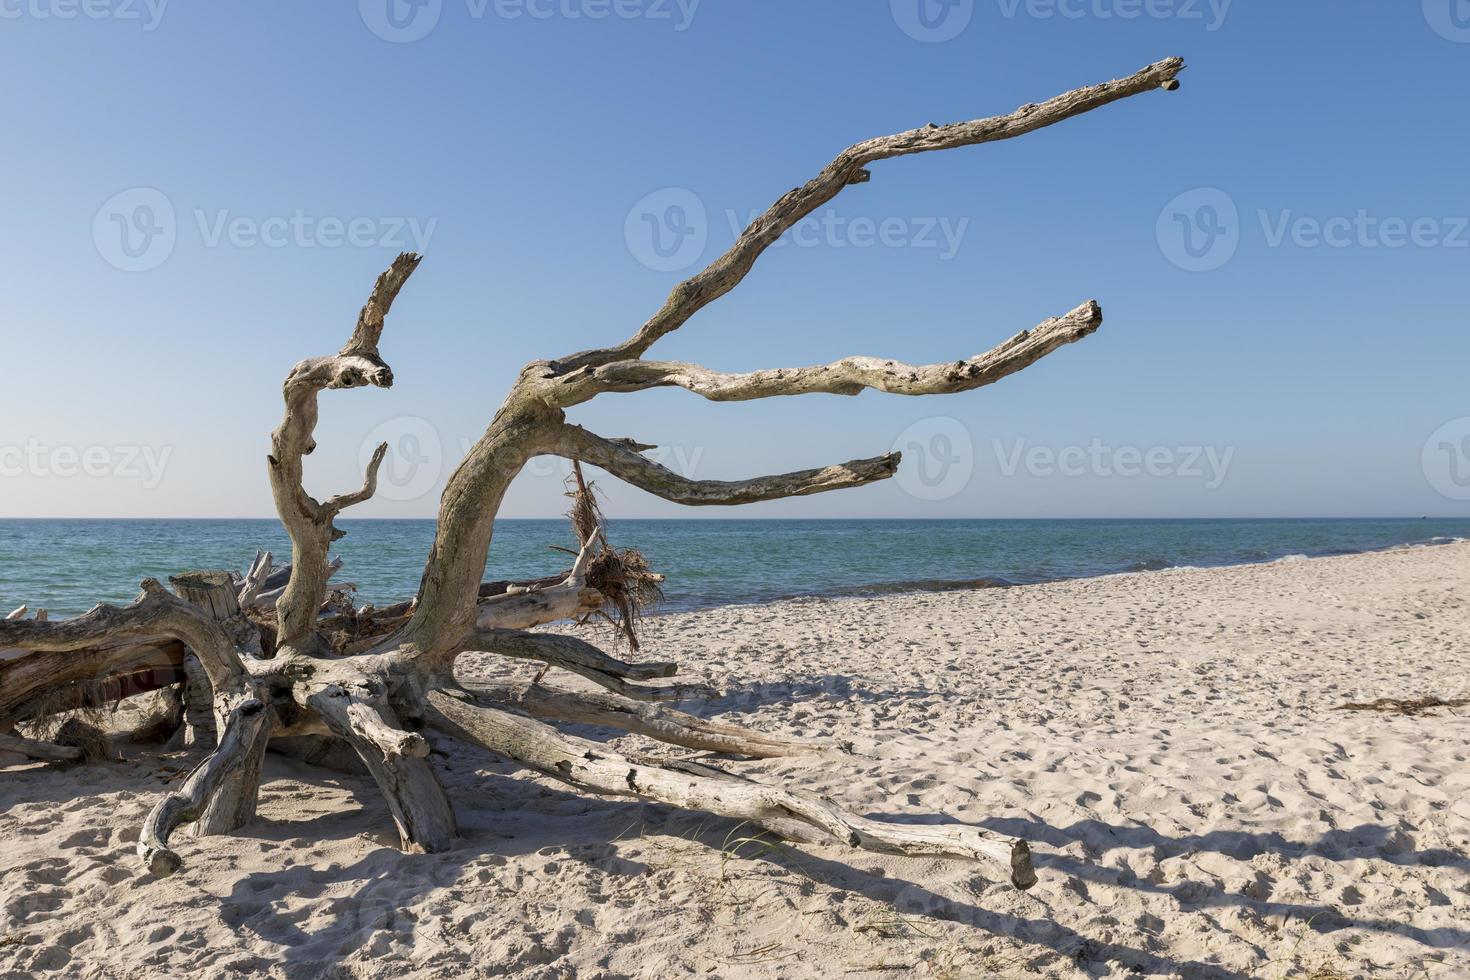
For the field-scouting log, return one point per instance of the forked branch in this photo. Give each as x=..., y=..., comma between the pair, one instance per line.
x=308, y=522
x=726, y=272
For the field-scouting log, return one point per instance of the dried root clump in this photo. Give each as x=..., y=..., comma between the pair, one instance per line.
x=624, y=577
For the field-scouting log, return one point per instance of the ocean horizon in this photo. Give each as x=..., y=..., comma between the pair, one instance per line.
x=67, y=565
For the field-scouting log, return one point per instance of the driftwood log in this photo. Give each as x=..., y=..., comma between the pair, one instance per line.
x=275, y=654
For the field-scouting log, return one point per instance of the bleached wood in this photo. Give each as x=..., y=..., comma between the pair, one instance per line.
x=849, y=376
x=374, y=692
x=585, y=660
x=396, y=760
x=622, y=461
x=307, y=521
x=244, y=728
x=42, y=751
x=590, y=766
x=848, y=168
x=656, y=721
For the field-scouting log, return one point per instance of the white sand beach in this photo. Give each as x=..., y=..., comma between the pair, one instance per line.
x=1168, y=742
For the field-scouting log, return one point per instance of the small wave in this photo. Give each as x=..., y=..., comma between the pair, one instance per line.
x=921, y=585
x=1150, y=565
x=1297, y=557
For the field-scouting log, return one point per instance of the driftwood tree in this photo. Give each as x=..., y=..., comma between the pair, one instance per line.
x=279, y=660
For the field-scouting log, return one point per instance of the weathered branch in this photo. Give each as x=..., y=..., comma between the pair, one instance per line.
x=43, y=751
x=308, y=522
x=848, y=376
x=655, y=721
x=585, y=660
x=112, y=638
x=244, y=732
x=396, y=758
x=623, y=461
x=726, y=272
x=519, y=608
x=589, y=766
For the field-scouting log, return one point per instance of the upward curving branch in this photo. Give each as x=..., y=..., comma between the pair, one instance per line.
x=308, y=522
x=726, y=272
x=462, y=538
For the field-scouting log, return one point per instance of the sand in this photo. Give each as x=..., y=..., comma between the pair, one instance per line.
x=1167, y=741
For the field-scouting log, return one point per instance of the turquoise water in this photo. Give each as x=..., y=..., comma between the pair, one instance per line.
x=67, y=566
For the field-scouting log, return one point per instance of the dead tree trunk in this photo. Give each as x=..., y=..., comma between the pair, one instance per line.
x=379, y=695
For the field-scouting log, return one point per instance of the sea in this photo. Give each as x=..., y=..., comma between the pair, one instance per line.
x=67, y=566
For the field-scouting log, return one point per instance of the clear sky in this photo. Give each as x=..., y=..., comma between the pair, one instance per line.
x=197, y=195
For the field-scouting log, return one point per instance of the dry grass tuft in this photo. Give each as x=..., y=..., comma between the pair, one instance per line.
x=78, y=734
x=1401, y=706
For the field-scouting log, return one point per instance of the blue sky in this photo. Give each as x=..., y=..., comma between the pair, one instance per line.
x=1303, y=353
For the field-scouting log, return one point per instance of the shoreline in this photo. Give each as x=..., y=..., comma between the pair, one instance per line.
x=881, y=590
x=1170, y=744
